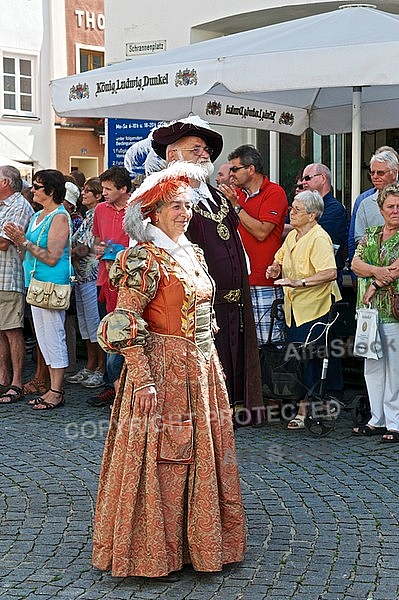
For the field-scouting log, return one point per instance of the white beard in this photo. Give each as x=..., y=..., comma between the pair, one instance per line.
x=208, y=167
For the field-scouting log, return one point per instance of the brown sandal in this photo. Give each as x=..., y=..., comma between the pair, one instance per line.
x=35, y=386
x=48, y=405
x=7, y=398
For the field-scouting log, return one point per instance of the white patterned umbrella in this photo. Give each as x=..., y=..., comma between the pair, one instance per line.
x=335, y=72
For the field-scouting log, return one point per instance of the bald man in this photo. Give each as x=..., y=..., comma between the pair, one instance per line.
x=223, y=175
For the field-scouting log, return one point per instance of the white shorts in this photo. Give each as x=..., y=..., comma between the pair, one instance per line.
x=50, y=334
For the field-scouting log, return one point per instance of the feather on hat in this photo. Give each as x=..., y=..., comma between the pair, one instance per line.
x=141, y=156
x=158, y=187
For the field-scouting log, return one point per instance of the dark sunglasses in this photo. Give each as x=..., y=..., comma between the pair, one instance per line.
x=37, y=187
x=309, y=177
x=235, y=169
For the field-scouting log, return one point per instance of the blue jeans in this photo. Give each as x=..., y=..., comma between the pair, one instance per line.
x=113, y=362
x=113, y=368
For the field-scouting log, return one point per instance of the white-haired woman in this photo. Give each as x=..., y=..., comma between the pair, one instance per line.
x=166, y=499
x=305, y=266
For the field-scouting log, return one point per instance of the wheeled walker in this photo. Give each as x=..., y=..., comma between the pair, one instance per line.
x=283, y=367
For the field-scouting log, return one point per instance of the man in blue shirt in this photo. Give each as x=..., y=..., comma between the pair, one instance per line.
x=358, y=201
x=351, y=233
x=317, y=177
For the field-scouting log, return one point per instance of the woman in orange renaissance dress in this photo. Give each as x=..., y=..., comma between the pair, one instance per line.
x=166, y=499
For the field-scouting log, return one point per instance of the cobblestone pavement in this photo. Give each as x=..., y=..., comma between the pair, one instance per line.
x=322, y=513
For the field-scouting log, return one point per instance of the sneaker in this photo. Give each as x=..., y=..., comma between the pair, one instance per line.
x=94, y=380
x=80, y=376
x=104, y=399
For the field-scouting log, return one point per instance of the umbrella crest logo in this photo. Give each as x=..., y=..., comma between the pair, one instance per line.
x=286, y=118
x=186, y=77
x=80, y=91
x=214, y=108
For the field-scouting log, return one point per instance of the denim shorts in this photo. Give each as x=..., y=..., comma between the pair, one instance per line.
x=113, y=368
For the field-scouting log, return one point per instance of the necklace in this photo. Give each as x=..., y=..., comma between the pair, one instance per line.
x=222, y=230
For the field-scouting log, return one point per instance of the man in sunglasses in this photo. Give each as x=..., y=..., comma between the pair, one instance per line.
x=214, y=228
x=358, y=201
x=383, y=171
x=334, y=220
x=262, y=208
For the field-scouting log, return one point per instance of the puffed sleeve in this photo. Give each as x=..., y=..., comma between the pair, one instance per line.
x=124, y=330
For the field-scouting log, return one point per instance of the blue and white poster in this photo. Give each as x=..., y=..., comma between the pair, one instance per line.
x=122, y=133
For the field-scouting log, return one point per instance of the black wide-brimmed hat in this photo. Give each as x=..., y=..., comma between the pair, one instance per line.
x=169, y=133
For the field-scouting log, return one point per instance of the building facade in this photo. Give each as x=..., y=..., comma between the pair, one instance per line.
x=41, y=40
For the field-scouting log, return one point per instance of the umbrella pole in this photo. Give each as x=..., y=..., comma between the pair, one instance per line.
x=356, y=141
x=274, y=162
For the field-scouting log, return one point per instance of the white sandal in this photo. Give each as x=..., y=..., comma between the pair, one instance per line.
x=297, y=423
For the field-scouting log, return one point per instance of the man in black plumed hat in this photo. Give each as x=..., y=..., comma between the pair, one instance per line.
x=214, y=228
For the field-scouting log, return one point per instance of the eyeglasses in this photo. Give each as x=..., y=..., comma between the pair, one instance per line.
x=37, y=187
x=235, y=169
x=296, y=211
x=309, y=177
x=379, y=173
x=87, y=191
x=197, y=150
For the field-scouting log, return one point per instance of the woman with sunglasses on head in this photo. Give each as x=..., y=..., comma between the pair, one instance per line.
x=305, y=267
x=46, y=245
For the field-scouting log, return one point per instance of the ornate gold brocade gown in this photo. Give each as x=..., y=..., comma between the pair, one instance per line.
x=152, y=518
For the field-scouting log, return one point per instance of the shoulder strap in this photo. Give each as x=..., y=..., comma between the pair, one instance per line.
x=47, y=221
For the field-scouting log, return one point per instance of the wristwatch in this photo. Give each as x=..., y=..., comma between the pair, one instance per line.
x=238, y=208
x=303, y=281
x=25, y=243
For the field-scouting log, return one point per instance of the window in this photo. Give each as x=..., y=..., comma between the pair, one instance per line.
x=18, y=85
x=89, y=60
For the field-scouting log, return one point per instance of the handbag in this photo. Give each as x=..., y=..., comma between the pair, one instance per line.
x=282, y=372
x=367, y=342
x=45, y=294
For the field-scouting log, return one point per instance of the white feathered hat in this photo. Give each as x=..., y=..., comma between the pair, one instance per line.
x=157, y=188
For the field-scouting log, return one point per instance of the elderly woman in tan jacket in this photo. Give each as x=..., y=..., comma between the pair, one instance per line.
x=305, y=267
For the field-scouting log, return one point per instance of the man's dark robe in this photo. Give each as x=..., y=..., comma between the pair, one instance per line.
x=236, y=340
